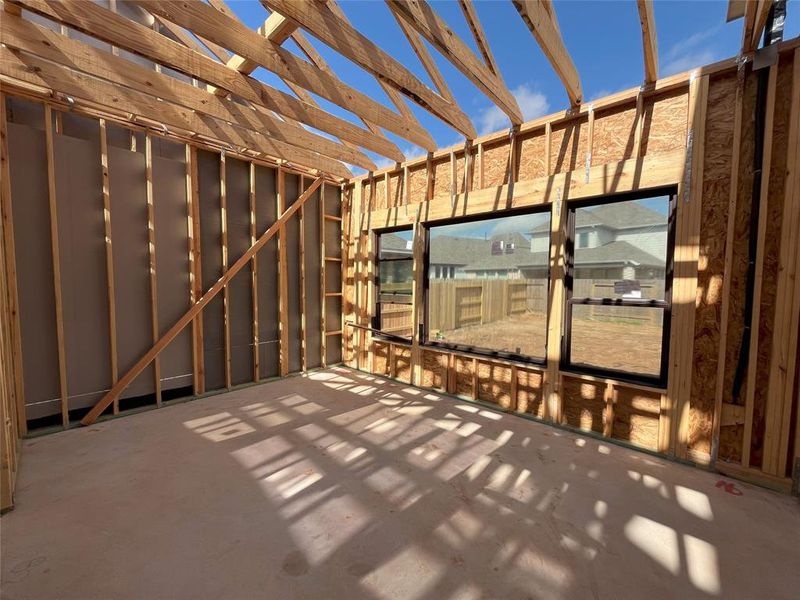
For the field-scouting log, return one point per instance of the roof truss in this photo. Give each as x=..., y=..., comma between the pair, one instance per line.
x=648, y=40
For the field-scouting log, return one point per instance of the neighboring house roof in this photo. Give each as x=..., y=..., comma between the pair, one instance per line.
x=391, y=242
x=451, y=250
x=623, y=215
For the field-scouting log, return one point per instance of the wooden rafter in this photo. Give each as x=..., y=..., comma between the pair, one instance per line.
x=541, y=23
x=101, y=23
x=204, y=20
x=649, y=40
x=35, y=71
x=197, y=307
x=736, y=10
x=25, y=35
x=336, y=32
x=762, y=11
x=419, y=15
x=471, y=15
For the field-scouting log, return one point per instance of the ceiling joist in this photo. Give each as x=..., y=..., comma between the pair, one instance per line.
x=204, y=20
x=541, y=22
x=94, y=20
x=421, y=17
x=330, y=28
x=649, y=41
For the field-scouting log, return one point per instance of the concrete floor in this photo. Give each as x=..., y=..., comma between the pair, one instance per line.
x=338, y=485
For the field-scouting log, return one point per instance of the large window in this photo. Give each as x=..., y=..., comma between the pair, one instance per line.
x=487, y=285
x=395, y=283
x=619, y=275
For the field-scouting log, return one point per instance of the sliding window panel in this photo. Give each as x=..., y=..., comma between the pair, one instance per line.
x=84, y=289
x=31, y=214
x=128, y=194
x=240, y=310
x=268, y=315
x=172, y=261
x=208, y=170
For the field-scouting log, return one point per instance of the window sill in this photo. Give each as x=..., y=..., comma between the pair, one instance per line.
x=490, y=355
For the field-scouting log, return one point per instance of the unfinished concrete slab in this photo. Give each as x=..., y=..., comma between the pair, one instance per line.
x=340, y=485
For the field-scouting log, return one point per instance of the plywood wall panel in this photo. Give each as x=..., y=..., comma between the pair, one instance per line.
x=665, y=121
x=240, y=292
x=494, y=384
x=568, y=145
x=27, y=162
x=614, y=134
x=434, y=370
x=583, y=404
x=266, y=215
x=636, y=417
x=84, y=295
x=530, y=393
x=380, y=351
x=464, y=376
x=208, y=168
x=441, y=178
x=417, y=184
x=532, y=156
x=402, y=363
x=496, y=163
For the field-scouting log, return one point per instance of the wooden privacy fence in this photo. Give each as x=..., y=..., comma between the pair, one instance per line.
x=604, y=288
x=455, y=303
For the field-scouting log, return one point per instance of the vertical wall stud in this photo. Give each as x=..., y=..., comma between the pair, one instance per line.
x=112, y=311
x=302, y=260
x=51, y=192
x=151, y=238
x=283, y=281
x=195, y=267
x=323, y=339
x=254, y=275
x=226, y=292
x=11, y=269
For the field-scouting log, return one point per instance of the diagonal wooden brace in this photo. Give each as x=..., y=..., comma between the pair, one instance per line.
x=198, y=306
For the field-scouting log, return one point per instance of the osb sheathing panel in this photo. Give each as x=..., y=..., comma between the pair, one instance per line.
x=380, y=365
x=614, y=133
x=531, y=157
x=711, y=265
x=731, y=437
x=434, y=369
x=495, y=164
x=636, y=417
x=583, y=403
x=568, y=145
x=460, y=166
x=417, y=183
x=530, y=388
x=379, y=193
x=769, y=284
x=494, y=384
x=665, y=121
x=395, y=189
x=464, y=373
x=441, y=178
x=402, y=363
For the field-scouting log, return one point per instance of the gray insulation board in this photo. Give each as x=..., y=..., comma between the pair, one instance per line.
x=128, y=195
x=172, y=267
x=313, y=285
x=84, y=284
x=208, y=170
x=291, y=187
x=268, y=318
x=31, y=218
x=237, y=189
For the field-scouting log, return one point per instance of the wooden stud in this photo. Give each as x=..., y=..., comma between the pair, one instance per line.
x=481, y=164
x=112, y=311
x=283, y=282
x=752, y=363
x=609, y=397
x=254, y=276
x=555, y=306
x=226, y=298
x=474, y=378
x=151, y=239
x=302, y=260
x=51, y=192
x=197, y=308
x=195, y=266
x=418, y=317
x=637, y=136
x=323, y=325
x=548, y=134
x=11, y=269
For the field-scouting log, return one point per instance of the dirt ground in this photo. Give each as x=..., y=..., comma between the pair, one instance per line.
x=617, y=345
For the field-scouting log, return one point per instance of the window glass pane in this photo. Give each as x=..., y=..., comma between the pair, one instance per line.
x=396, y=277
x=621, y=249
x=396, y=244
x=623, y=338
x=487, y=284
x=395, y=319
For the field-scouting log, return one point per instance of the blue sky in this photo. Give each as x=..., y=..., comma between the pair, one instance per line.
x=603, y=37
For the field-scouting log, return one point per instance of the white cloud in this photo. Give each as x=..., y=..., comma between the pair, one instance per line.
x=694, y=51
x=533, y=104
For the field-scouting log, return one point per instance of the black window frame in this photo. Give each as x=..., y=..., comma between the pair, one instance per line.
x=478, y=351
x=566, y=364
x=376, y=318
